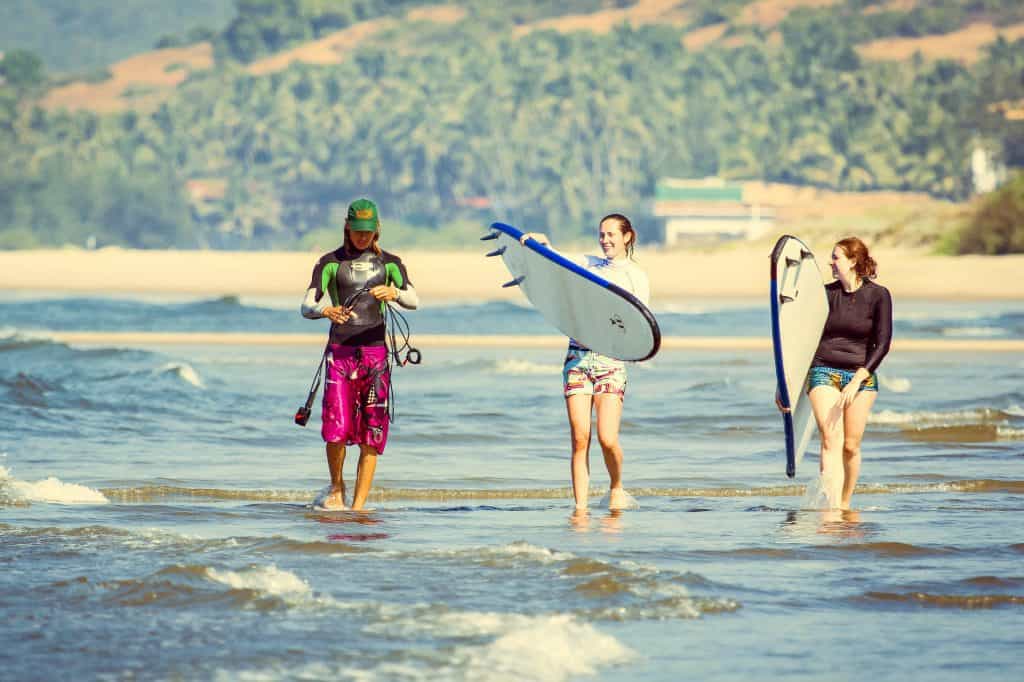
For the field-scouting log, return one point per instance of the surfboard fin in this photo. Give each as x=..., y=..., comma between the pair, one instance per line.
x=791, y=262
x=785, y=299
x=492, y=235
x=806, y=254
x=513, y=283
x=497, y=252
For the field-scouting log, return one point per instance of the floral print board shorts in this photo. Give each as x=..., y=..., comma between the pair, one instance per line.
x=356, y=396
x=837, y=379
x=588, y=373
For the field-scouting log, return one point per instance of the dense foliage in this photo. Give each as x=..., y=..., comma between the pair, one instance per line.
x=996, y=226
x=449, y=123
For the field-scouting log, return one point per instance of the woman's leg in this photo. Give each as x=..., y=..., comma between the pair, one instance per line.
x=829, y=415
x=609, y=416
x=855, y=420
x=579, y=406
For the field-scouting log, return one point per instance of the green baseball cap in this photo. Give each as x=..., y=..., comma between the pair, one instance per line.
x=362, y=216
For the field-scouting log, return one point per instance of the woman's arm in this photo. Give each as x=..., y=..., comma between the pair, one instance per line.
x=881, y=331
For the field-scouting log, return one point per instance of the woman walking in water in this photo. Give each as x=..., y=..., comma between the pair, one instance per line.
x=842, y=385
x=595, y=382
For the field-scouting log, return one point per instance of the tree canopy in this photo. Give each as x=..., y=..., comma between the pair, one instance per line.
x=444, y=123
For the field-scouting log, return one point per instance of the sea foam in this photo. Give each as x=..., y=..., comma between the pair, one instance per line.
x=49, y=489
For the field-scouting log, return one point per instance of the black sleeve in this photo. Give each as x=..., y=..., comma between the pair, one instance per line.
x=881, y=331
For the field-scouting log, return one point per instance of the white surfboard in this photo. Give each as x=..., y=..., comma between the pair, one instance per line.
x=597, y=313
x=799, y=310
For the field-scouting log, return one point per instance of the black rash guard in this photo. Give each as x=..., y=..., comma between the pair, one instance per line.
x=858, y=330
x=340, y=273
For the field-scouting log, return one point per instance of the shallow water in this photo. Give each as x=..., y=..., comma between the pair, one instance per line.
x=155, y=519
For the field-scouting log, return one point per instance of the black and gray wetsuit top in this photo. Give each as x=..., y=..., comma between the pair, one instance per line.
x=342, y=274
x=858, y=330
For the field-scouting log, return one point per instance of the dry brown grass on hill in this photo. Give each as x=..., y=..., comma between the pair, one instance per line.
x=150, y=75
x=643, y=12
x=330, y=49
x=695, y=41
x=769, y=13
x=964, y=45
x=891, y=6
x=439, y=14
x=911, y=220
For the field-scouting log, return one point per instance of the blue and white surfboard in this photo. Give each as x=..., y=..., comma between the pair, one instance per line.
x=799, y=308
x=595, y=312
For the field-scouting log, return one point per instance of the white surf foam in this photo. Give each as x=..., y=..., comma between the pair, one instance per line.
x=951, y=418
x=1007, y=433
x=50, y=489
x=183, y=371
x=545, y=648
x=526, y=368
x=268, y=579
x=895, y=384
x=628, y=501
x=816, y=496
x=973, y=332
x=548, y=648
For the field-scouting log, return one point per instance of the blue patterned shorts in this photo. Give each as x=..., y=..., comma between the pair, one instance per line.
x=837, y=379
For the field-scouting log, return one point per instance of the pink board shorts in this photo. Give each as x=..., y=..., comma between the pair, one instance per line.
x=355, y=410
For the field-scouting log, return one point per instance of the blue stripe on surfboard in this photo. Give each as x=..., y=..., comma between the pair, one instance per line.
x=561, y=260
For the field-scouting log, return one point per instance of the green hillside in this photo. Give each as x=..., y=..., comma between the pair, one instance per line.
x=486, y=114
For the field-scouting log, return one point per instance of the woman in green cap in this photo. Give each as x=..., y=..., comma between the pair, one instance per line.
x=358, y=278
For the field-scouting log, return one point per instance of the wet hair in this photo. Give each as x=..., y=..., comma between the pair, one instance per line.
x=349, y=246
x=857, y=251
x=625, y=227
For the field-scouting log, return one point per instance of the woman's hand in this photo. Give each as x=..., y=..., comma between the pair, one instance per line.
x=778, y=404
x=338, y=314
x=538, y=237
x=849, y=392
x=384, y=292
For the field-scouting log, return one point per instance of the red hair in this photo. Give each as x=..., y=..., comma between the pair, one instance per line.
x=857, y=251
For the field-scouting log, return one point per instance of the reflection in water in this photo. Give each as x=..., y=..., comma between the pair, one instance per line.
x=612, y=521
x=580, y=521
x=839, y=523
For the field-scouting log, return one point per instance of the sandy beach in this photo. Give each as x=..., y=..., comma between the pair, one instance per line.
x=739, y=272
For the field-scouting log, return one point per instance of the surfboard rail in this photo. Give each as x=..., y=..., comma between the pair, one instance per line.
x=514, y=233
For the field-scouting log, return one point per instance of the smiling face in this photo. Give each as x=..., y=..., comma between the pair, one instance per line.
x=842, y=265
x=612, y=239
x=361, y=239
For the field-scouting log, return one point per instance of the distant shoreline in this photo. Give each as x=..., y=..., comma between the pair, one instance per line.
x=427, y=341
x=732, y=272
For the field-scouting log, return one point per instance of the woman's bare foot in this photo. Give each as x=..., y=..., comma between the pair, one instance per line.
x=617, y=499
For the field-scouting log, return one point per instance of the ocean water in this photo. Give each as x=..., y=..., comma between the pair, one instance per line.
x=155, y=517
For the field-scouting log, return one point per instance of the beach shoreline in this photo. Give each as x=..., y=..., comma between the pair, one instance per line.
x=739, y=271
x=553, y=341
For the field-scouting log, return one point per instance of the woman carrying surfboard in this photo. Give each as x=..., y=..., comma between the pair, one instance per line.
x=358, y=278
x=592, y=381
x=842, y=385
